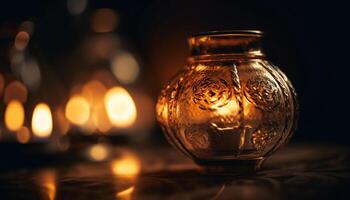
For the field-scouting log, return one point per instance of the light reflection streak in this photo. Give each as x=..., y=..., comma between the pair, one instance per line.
x=47, y=182
x=125, y=194
x=126, y=166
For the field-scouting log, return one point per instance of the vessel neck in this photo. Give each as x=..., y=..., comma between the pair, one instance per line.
x=243, y=43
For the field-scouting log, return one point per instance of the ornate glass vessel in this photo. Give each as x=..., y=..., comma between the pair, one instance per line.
x=229, y=108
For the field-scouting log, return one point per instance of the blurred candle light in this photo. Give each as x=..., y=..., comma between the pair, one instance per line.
x=77, y=110
x=23, y=135
x=126, y=166
x=125, y=67
x=14, y=115
x=42, y=121
x=21, y=40
x=98, y=152
x=120, y=107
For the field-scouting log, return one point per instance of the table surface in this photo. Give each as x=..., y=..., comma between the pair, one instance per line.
x=299, y=171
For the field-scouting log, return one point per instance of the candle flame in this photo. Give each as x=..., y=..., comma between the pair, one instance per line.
x=42, y=120
x=14, y=115
x=120, y=107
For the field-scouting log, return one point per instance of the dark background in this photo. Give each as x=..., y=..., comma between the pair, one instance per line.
x=307, y=40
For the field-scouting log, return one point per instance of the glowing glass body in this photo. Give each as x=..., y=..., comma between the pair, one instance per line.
x=229, y=106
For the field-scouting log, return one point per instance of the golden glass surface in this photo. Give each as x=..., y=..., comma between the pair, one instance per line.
x=229, y=108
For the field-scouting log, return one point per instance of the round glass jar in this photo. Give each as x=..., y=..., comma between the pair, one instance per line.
x=229, y=108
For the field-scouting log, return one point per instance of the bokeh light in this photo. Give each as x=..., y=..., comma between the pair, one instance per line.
x=14, y=115
x=127, y=166
x=98, y=152
x=125, y=67
x=120, y=107
x=21, y=40
x=42, y=120
x=23, y=135
x=30, y=74
x=77, y=110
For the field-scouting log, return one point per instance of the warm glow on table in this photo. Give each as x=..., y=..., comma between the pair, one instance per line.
x=126, y=166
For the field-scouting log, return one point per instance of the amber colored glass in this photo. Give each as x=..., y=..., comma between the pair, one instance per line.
x=229, y=108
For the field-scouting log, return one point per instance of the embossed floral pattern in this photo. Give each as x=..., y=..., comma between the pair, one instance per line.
x=211, y=93
x=197, y=139
x=265, y=135
x=262, y=92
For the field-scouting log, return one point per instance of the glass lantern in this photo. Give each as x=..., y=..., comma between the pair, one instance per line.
x=230, y=107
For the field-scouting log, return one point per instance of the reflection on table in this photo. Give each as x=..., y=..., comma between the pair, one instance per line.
x=296, y=172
